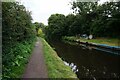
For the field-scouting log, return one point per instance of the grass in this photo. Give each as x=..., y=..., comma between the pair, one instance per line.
x=55, y=66
x=108, y=41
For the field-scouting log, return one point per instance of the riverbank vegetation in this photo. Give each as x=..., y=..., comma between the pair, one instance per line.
x=100, y=20
x=108, y=41
x=18, y=37
x=19, y=34
x=55, y=65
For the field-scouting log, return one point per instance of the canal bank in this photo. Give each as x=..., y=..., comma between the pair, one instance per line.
x=98, y=40
x=88, y=63
x=55, y=65
x=98, y=46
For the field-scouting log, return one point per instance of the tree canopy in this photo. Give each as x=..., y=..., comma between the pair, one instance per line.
x=56, y=26
x=16, y=22
x=101, y=20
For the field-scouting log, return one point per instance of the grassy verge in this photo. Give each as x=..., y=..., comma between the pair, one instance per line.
x=15, y=58
x=55, y=65
x=108, y=41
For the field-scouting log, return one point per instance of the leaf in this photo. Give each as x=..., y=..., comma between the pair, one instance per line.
x=16, y=62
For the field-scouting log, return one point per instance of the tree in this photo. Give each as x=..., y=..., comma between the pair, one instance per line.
x=70, y=18
x=39, y=26
x=16, y=22
x=98, y=19
x=106, y=23
x=17, y=30
x=56, y=26
x=86, y=11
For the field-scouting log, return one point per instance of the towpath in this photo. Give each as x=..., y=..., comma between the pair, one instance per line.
x=36, y=67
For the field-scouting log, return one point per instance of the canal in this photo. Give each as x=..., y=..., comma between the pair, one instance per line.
x=87, y=62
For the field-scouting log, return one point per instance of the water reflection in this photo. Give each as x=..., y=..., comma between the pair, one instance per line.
x=88, y=62
x=72, y=65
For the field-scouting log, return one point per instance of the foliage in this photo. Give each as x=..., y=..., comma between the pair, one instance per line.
x=40, y=32
x=98, y=19
x=101, y=20
x=15, y=58
x=16, y=22
x=18, y=35
x=38, y=25
x=71, y=21
x=56, y=26
x=85, y=12
x=56, y=67
x=40, y=29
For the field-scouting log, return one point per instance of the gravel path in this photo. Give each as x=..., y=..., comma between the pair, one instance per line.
x=36, y=67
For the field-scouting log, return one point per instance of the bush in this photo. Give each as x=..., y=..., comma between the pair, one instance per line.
x=18, y=35
x=40, y=33
x=15, y=58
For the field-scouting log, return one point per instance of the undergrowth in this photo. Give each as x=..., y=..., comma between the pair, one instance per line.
x=15, y=57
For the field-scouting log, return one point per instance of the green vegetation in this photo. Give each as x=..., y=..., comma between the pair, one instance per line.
x=18, y=37
x=108, y=41
x=100, y=20
x=56, y=67
x=39, y=27
x=16, y=58
x=40, y=33
x=56, y=26
x=19, y=34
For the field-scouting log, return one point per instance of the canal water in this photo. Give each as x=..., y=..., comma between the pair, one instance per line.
x=88, y=62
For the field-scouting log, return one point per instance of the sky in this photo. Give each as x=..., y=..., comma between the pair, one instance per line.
x=42, y=9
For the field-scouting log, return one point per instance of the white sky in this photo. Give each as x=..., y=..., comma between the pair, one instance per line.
x=42, y=9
